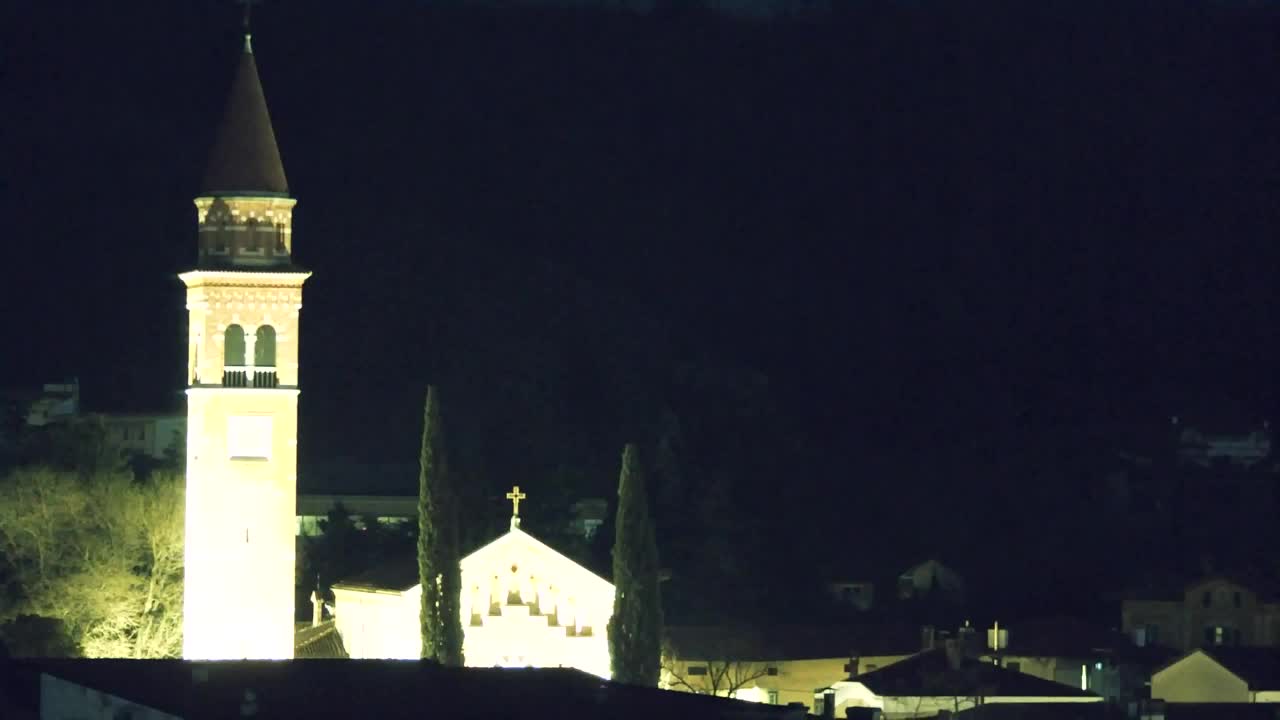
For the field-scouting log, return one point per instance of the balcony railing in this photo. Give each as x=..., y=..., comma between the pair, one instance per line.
x=249, y=377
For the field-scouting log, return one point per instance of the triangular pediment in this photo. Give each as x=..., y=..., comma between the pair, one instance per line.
x=519, y=547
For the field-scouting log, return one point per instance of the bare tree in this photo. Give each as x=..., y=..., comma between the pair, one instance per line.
x=960, y=689
x=712, y=661
x=103, y=554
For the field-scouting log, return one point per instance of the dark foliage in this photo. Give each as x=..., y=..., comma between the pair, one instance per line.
x=439, y=570
x=635, y=630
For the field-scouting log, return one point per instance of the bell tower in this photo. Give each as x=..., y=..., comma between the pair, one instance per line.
x=243, y=300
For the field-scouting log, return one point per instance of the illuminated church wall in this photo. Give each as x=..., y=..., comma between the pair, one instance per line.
x=241, y=470
x=243, y=301
x=523, y=604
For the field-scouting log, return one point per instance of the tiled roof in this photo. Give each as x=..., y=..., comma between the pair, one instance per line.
x=321, y=642
x=379, y=689
x=792, y=642
x=1069, y=637
x=397, y=574
x=931, y=673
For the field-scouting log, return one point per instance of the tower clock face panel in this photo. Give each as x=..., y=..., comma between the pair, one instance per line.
x=249, y=437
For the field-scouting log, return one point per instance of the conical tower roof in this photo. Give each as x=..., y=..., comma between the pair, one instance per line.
x=245, y=159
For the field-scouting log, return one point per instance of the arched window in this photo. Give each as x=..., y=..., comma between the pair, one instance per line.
x=233, y=346
x=264, y=347
x=279, y=238
x=253, y=243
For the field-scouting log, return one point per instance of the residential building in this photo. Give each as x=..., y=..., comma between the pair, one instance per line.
x=588, y=515
x=1214, y=611
x=1220, y=675
x=155, y=435
x=930, y=578
x=929, y=582
x=56, y=402
x=387, y=510
x=1244, y=448
x=1074, y=652
x=857, y=595
x=941, y=680
x=779, y=664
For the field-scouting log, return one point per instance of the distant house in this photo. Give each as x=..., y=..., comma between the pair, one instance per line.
x=1244, y=449
x=389, y=510
x=778, y=664
x=1220, y=675
x=1074, y=652
x=588, y=516
x=942, y=680
x=930, y=578
x=178, y=690
x=154, y=435
x=857, y=595
x=57, y=402
x=1216, y=611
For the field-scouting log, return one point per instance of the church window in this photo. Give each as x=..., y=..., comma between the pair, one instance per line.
x=264, y=347
x=221, y=238
x=233, y=346
x=253, y=240
x=1207, y=598
x=278, y=234
x=1235, y=599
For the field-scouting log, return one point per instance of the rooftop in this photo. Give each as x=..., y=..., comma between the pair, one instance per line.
x=1257, y=666
x=245, y=159
x=793, y=642
x=353, y=688
x=931, y=673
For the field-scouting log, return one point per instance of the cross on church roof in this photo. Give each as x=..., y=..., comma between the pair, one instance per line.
x=515, y=496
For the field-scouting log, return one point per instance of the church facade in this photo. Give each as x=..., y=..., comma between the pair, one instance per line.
x=523, y=605
x=243, y=300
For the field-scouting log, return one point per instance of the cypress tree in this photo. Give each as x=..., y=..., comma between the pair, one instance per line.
x=450, y=575
x=439, y=570
x=635, y=630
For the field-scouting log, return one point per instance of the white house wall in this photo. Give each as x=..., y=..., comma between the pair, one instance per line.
x=1198, y=678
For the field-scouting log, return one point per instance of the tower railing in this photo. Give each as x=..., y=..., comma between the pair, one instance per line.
x=239, y=376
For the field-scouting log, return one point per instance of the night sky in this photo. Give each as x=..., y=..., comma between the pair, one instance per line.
x=867, y=261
